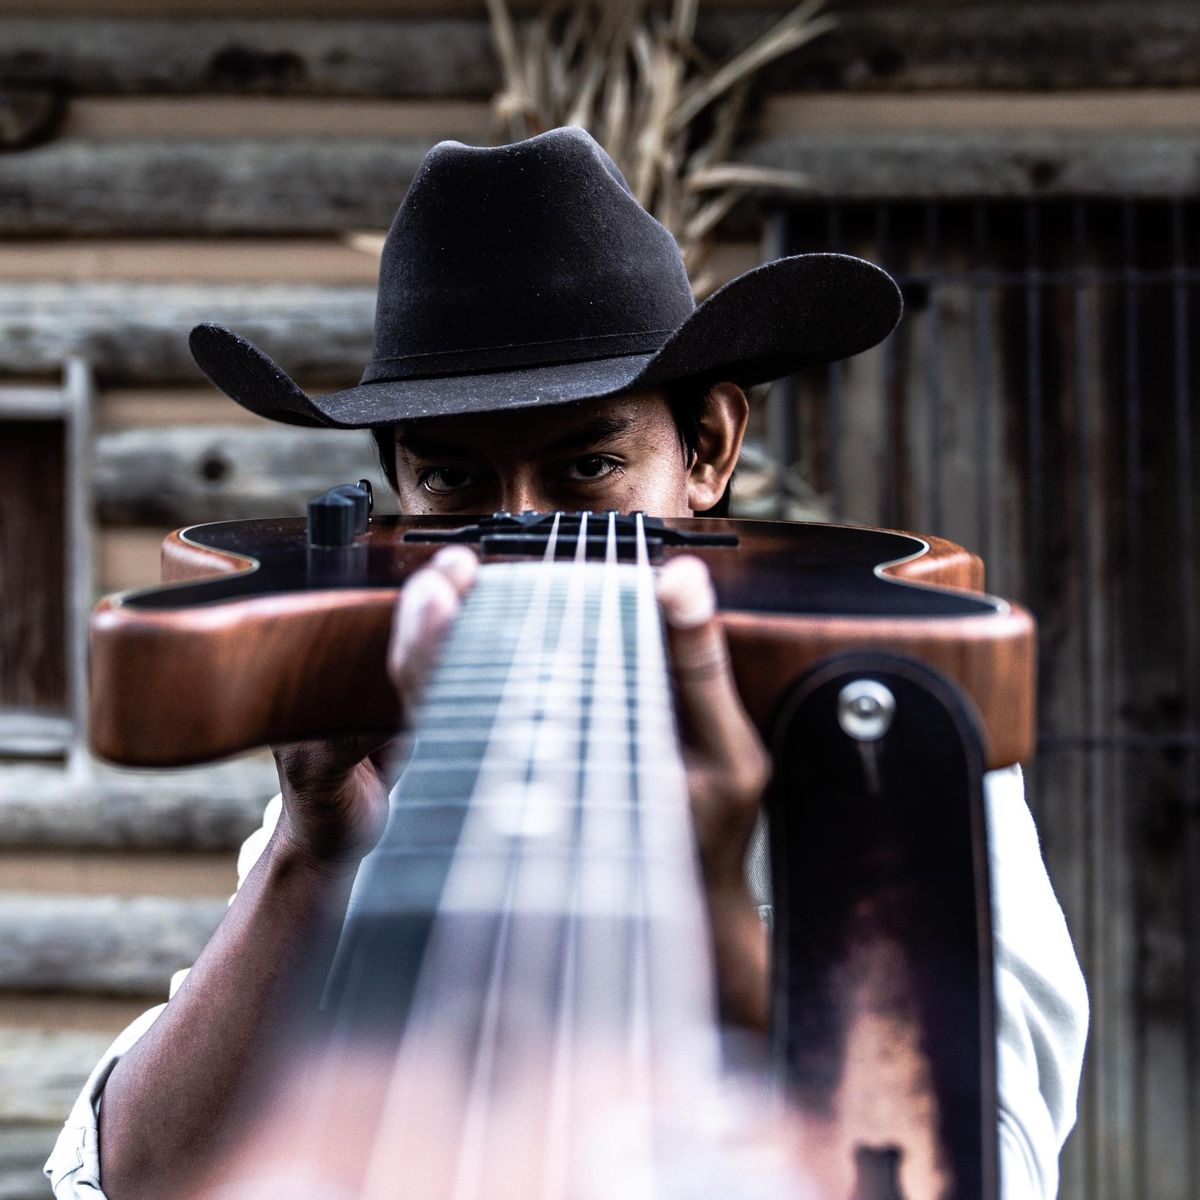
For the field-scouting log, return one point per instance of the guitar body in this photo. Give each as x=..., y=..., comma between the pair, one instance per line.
x=261, y=638
x=882, y=1027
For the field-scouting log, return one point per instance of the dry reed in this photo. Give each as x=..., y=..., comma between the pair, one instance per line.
x=631, y=73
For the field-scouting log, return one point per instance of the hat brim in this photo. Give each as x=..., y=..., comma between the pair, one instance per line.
x=788, y=314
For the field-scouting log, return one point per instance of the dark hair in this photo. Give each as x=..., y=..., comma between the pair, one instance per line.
x=686, y=403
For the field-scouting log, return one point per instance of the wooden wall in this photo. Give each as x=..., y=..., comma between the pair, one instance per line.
x=163, y=163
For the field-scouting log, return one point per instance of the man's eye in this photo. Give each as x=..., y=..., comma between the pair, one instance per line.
x=592, y=467
x=441, y=480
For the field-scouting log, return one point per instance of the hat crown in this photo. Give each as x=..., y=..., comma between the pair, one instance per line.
x=536, y=251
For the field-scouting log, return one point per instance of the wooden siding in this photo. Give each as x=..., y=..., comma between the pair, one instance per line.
x=446, y=49
x=212, y=159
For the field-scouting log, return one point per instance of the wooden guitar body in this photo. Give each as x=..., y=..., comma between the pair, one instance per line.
x=261, y=638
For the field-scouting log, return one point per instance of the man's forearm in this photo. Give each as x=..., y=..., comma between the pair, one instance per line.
x=168, y=1096
x=741, y=958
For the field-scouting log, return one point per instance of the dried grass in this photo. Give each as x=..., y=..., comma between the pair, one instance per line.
x=630, y=72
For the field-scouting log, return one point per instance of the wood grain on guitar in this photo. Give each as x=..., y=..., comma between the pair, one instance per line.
x=186, y=674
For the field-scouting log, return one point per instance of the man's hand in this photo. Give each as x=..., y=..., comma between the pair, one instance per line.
x=728, y=769
x=335, y=791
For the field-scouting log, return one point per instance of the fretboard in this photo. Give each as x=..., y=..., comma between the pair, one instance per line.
x=542, y=817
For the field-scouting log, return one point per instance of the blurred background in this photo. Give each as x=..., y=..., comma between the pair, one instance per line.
x=1029, y=171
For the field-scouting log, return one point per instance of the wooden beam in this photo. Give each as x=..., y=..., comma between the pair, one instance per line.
x=211, y=808
x=897, y=165
x=192, y=187
x=128, y=557
x=922, y=46
x=110, y=945
x=323, y=186
x=324, y=260
x=899, y=46
x=37, y=1012
x=41, y=1073
x=411, y=56
x=182, y=475
x=23, y=1150
x=1143, y=110
x=134, y=408
x=137, y=333
x=277, y=117
x=117, y=873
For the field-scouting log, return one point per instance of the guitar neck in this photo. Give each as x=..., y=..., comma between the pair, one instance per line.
x=539, y=854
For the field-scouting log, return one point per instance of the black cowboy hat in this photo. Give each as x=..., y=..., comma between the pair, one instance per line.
x=525, y=275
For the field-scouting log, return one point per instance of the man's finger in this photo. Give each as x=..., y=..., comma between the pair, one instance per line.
x=710, y=708
x=699, y=658
x=427, y=606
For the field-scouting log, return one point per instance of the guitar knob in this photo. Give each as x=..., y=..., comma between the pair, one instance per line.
x=332, y=520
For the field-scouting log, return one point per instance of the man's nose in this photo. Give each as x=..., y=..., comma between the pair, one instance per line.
x=523, y=495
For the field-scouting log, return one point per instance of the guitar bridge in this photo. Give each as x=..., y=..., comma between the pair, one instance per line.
x=529, y=533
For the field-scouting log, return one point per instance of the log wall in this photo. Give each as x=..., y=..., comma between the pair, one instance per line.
x=164, y=162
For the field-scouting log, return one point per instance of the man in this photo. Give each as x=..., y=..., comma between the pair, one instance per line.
x=537, y=347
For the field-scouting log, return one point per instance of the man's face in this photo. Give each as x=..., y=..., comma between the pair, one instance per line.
x=621, y=453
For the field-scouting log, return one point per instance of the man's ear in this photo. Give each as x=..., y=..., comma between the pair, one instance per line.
x=721, y=427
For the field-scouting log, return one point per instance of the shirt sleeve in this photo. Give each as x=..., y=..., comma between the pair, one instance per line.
x=73, y=1167
x=1041, y=999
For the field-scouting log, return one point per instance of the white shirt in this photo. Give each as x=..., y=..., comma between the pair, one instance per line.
x=1041, y=1013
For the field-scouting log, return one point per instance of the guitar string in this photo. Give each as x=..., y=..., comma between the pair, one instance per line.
x=608, y=656
x=314, y=1112
x=557, y=1157
x=687, y=990
x=636, y=832
x=606, y=826
x=641, y=1034
x=401, y=1096
x=480, y=1103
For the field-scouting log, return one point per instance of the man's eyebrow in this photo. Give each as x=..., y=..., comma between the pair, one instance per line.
x=586, y=433
x=595, y=429
x=423, y=447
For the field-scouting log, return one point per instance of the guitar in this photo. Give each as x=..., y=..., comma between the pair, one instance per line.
x=259, y=636
x=521, y=1002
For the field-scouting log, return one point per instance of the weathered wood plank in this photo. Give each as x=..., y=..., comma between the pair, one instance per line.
x=104, y=944
x=212, y=808
x=275, y=118
x=41, y=1072
x=899, y=165
x=321, y=186
x=163, y=186
x=185, y=474
x=128, y=557
x=137, y=333
x=36, y=1012
x=431, y=56
x=902, y=46
x=326, y=261
x=135, y=408
x=1127, y=110
x=1034, y=45
x=23, y=1150
x=117, y=873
